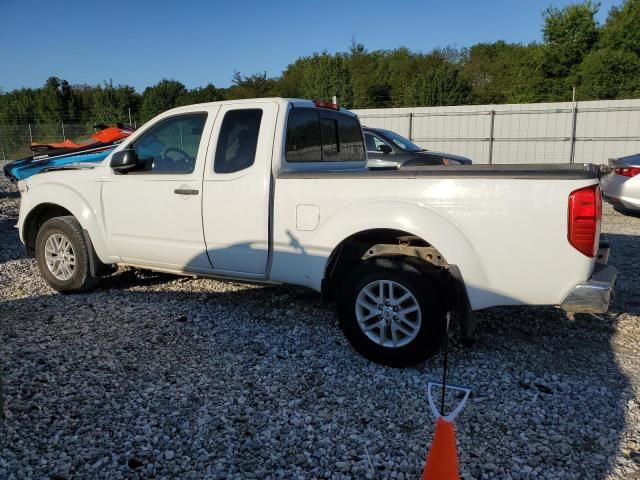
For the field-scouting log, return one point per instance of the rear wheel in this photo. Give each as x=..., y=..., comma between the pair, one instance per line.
x=63, y=256
x=391, y=311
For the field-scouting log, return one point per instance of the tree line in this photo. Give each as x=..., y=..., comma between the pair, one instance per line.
x=600, y=61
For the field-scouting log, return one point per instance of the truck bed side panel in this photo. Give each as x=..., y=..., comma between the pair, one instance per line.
x=507, y=235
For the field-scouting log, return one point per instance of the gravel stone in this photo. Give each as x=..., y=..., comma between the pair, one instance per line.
x=158, y=376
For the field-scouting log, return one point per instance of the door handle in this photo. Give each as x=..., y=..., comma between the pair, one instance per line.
x=185, y=191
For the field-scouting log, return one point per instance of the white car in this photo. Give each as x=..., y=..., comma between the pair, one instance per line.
x=621, y=187
x=277, y=191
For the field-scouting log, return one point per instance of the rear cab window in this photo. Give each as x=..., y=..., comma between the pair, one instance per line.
x=317, y=135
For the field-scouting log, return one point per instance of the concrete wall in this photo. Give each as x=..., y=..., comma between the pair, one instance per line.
x=584, y=132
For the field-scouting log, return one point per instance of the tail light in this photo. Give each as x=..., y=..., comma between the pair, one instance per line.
x=627, y=171
x=585, y=214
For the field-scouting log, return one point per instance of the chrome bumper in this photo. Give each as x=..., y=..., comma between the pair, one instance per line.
x=594, y=295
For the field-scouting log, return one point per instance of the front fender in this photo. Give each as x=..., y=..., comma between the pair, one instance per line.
x=78, y=203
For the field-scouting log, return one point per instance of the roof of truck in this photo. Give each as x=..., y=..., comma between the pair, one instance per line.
x=296, y=102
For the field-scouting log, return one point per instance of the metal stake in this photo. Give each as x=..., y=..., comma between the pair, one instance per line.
x=491, y=125
x=411, y=126
x=574, y=121
x=2, y=145
x=445, y=364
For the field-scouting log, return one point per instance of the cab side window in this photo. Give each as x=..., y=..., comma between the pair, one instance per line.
x=323, y=136
x=351, y=144
x=172, y=145
x=304, y=141
x=330, y=145
x=238, y=140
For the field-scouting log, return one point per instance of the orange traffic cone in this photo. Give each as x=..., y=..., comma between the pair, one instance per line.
x=442, y=460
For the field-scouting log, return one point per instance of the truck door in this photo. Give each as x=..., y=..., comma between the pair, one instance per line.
x=153, y=217
x=236, y=188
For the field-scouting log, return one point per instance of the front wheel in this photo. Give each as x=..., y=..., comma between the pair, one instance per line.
x=391, y=311
x=63, y=256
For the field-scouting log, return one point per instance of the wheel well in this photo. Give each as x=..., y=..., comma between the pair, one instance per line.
x=397, y=243
x=34, y=221
x=374, y=243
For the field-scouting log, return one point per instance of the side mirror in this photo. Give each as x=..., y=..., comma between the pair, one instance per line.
x=125, y=161
x=384, y=148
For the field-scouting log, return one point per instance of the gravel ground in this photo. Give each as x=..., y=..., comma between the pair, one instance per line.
x=158, y=376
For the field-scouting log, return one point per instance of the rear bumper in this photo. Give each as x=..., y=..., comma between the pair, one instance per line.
x=625, y=203
x=594, y=295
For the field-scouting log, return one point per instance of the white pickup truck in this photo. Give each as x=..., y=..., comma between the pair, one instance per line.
x=277, y=191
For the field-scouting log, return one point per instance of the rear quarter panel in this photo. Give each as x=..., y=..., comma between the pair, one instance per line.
x=507, y=236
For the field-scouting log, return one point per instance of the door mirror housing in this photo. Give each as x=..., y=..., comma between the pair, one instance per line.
x=125, y=161
x=385, y=148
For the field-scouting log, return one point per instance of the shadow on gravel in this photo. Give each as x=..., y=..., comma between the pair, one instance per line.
x=133, y=277
x=625, y=255
x=257, y=380
x=628, y=213
x=571, y=389
x=10, y=246
x=11, y=194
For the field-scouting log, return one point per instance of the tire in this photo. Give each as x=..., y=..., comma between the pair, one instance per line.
x=422, y=308
x=626, y=211
x=72, y=273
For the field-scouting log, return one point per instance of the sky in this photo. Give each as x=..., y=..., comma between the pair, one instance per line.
x=139, y=42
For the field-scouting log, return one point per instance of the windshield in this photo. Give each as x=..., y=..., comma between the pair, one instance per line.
x=401, y=142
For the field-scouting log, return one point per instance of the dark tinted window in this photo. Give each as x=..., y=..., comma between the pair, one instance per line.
x=371, y=143
x=401, y=142
x=330, y=151
x=350, y=134
x=374, y=142
x=318, y=135
x=171, y=146
x=303, y=136
x=238, y=139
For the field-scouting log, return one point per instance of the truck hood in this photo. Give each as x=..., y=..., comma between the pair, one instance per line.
x=451, y=156
x=70, y=166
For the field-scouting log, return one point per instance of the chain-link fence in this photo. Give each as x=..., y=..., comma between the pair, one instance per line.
x=16, y=140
